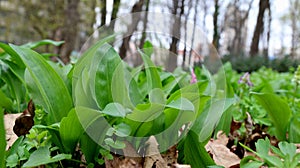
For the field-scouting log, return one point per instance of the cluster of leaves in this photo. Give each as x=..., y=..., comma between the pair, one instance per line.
x=252, y=64
x=268, y=105
x=100, y=91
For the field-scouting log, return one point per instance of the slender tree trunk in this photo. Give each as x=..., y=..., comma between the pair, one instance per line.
x=103, y=12
x=185, y=33
x=145, y=21
x=137, y=7
x=115, y=10
x=216, y=35
x=294, y=7
x=259, y=28
x=172, y=60
x=193, y=34
x=70, y=29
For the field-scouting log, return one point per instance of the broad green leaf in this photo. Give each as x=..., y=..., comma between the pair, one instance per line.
x=193, y=150
x=115, y=144
x=250, y=162
x=225, y=121
x=294, y=131
x=209, y=118
x=80, y=71
x=104, y=64
x=42, y=157
x=36, y=44
x=170, y=86
x=2, y=139
x=288, y=149
x=196, y=88
x=5, y=101
x=70, y=131
x=148, y=48
x=146, y=112
x=16, y=86
x=120, y=86
x=157, y=95
x=115, y=110
x=262, y=150
x=14, y=56
x=45, y=85
x=278, y=110
x=122, y=130
x=182, y=104
x=92, y=121
x=89, y=148
x=153, y=78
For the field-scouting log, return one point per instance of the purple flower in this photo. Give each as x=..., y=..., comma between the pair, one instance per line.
x=245, y=79
x=194, y=77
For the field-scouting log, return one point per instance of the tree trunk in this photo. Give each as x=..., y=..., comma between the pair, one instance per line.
x=145, y=21
x=114, y=12
x=293, y=10
x=216, y=35
x=259, y=28
x=70, y=29
x=193, y=34
x=172, y=60
x=103, y=12
x=137, y=7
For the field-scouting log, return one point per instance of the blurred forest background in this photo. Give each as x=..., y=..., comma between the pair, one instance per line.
x=249, y=33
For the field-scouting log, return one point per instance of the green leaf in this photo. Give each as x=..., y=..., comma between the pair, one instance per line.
x=148, y=48
x=82, y=77
x=5, y=101
x=104, y=64
x=120, y=86
x=153, y=78
x=157, y=95
x=42, y=156
x=92, y=121
x=225, y=121
x=245, y=162
x=182, y=104
x=122, y=130
x=2, y=139
x=36, y=44
x=89, y=148
x=45, y=85
x=70, y=131
x=115, y=144
x=294, y=131
x=263, y=148
x=115, y=110
x=278, y=110
x=209, y=118
x=146, y=112
x=288, y=149
x=193, y=150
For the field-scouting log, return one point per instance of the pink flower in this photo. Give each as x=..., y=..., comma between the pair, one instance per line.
x=245, y=79
x=194, y=77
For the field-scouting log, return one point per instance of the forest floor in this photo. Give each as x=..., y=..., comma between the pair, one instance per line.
x=216, y=147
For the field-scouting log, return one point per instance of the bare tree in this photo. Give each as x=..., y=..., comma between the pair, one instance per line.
x=145, y=21
x=294, y=14
x=103, y=12
x=137, y=7
x=238, y=24
x=70, y=29
x=216, y=35
x=115, y=10
x=172, y=59
x=194, y=27
x=259, y=28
